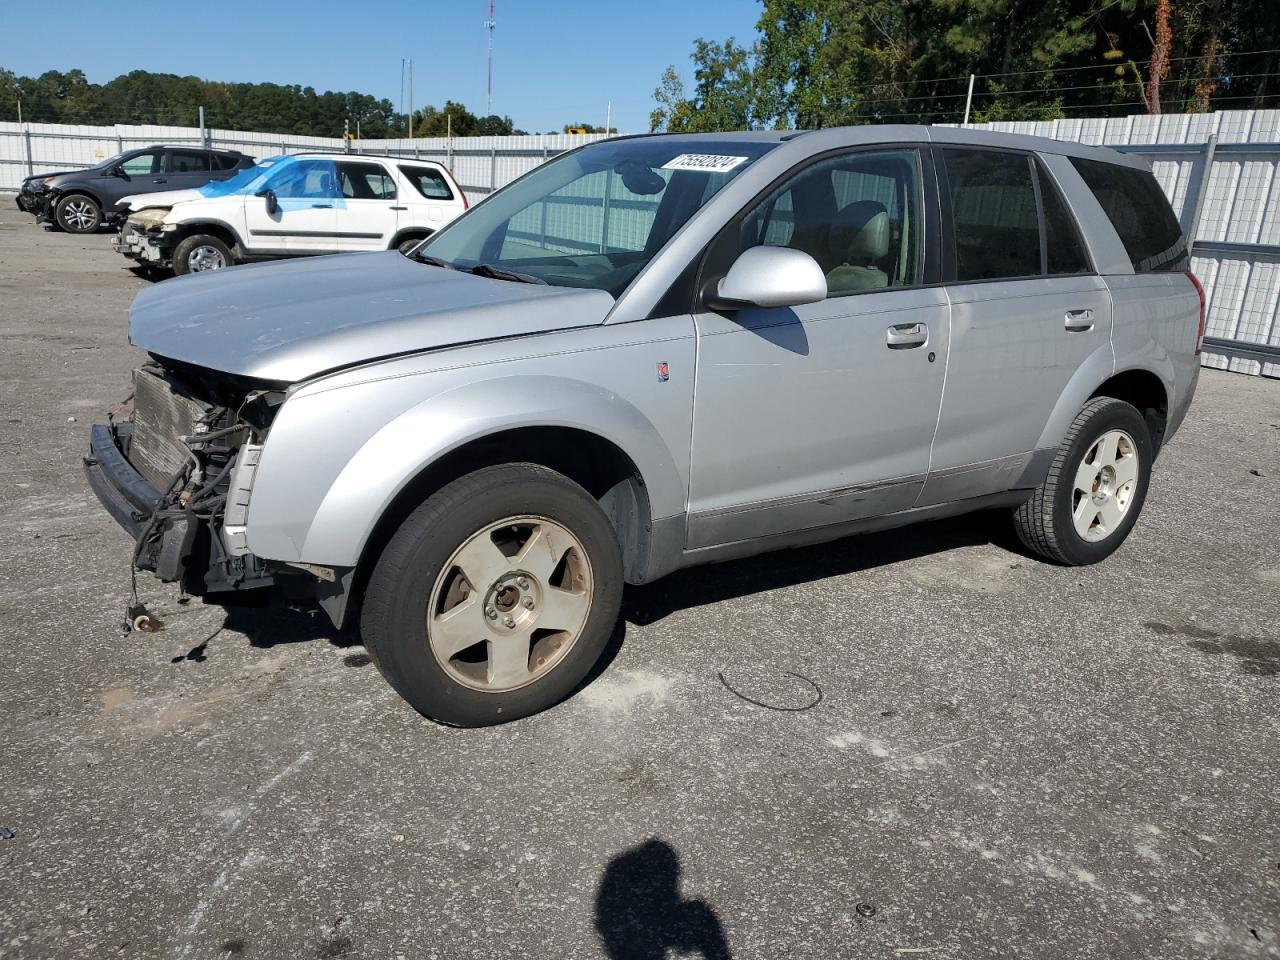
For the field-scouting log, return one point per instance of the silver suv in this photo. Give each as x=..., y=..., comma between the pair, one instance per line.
x=650, y=353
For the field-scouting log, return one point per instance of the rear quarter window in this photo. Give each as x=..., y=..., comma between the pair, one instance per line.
x=428, y=182
x=1140, y=213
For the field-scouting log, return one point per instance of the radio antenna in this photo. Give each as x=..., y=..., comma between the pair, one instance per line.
x=490, y=24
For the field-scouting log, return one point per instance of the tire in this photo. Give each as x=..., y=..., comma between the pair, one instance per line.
x=406, y=245
x=200, y=252
x=77, y=213
x=1095, y=489
x=524, y=636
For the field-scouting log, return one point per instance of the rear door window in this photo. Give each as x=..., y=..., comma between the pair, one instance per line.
x=365, y=181
x=1064, y=253
x=430, y=183
x=1137, y=208
x=993, y=210
x=187, y=161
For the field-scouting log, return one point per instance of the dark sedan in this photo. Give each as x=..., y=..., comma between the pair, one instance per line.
x=80, y=201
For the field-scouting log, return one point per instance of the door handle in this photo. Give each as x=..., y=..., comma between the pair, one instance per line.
x=399, y=208
x=1078, y=320
x=322, y=206
x=160, y=180
x=903, y=336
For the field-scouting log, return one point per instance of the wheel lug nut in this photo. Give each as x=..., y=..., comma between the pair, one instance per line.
x=524, y=583
x=528, y=602
x=510, y=621
x=491, y=613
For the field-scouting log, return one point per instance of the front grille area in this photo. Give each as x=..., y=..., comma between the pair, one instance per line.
x=161, y=414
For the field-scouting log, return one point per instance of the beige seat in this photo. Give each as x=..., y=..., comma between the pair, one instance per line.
x=859, y=241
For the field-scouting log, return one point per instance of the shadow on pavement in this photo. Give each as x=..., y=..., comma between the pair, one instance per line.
x=640, y=914
x=714, y=583
x=263, y=618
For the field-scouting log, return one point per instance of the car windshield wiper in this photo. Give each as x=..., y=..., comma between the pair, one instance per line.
x=432, y=261
x=497, y=273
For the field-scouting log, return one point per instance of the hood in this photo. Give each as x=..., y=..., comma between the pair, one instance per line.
x=163, y=198
x=291, y=320
x=36, y=177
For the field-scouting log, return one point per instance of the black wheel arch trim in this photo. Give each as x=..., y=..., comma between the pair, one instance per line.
x=187, y=228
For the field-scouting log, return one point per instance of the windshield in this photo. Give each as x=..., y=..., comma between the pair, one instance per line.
x=110, y=161
x=595, y=217
x=248, y=180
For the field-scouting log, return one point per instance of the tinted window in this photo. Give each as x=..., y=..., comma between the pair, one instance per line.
x=188, y=161
x=365, y=181
x=430, y=183
x=1064, y=252
x=857, y=215
x=225, y=161
x=142, y=164
x=1137, y=208
x=993, y=208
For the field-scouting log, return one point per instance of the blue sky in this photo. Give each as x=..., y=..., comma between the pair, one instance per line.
x=555, y=61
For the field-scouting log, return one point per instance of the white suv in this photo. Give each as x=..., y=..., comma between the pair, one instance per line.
x=290, y=206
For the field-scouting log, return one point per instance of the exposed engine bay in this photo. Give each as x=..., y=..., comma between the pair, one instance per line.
x=194, y=436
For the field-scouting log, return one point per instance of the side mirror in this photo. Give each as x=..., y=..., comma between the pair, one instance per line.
x=118, y=171
x=770, y=277
x=272, y=203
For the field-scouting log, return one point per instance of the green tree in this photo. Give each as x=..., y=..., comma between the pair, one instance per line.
x=817, y=63
x=725, y=95
x=159, y=98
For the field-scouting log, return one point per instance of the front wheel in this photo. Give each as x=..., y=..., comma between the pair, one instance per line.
x=1095, y=489
x=406, y=246
x=198, y=253
x=78, y=214
x=496, y=597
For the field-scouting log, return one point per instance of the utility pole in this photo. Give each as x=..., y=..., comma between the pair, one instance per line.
x=608, y=119
x=19, y=111
x=410, y=99
x=968, y=100
x=490, y=24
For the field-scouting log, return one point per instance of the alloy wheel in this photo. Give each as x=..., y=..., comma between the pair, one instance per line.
x=205, y=257
x=1104, y=486
x=78, y=215
x=510, y=604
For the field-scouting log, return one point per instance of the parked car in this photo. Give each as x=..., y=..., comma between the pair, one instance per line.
x=652, y=353
x=298, y=205
x=81, y=201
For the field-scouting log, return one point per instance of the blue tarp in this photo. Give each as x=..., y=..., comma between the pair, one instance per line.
x=296, y=181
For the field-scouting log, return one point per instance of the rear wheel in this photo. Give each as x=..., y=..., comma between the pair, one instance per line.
x=1095, y=489
x=201, y=252
x=495, y=597
x=77, y=213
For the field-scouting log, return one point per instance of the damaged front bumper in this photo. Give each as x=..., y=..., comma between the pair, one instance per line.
x=177, y=545
x=178, y=475
x=126, y=494
x=144, y=246
x=39, y=205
